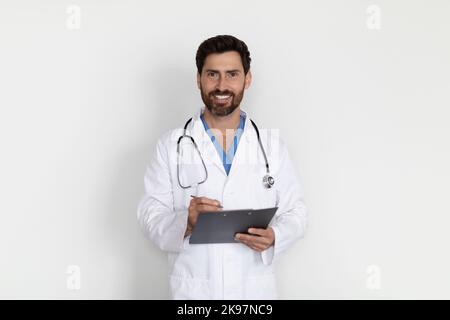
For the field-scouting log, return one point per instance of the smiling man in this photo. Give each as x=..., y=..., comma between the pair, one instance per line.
x=233, y=173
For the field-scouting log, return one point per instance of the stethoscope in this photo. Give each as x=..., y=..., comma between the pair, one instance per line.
x=268, y=181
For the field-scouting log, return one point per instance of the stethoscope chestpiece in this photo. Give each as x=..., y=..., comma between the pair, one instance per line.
x=268, y=181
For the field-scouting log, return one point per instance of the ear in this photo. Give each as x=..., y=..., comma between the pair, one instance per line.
x=248, y=79
x=198, y=80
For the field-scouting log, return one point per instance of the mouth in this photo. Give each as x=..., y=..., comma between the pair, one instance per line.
x=221, y=98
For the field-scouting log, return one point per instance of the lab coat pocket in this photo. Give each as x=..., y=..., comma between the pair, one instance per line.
x=185, y=288
x=261, y=287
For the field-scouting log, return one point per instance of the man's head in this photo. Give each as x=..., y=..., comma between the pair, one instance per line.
x=223, y=64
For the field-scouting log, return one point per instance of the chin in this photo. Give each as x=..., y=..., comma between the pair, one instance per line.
x=225, y=112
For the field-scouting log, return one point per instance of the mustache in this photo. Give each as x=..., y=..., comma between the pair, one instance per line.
x=221, y=93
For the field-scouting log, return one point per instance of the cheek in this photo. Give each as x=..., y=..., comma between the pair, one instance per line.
x=238, y=87
x=207, y=87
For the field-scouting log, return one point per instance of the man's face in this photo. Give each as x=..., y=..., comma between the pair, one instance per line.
x=222, y=82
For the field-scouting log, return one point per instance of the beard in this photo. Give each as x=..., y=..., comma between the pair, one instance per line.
x=218, y=108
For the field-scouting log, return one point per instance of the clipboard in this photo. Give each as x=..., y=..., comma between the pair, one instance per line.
x=221, y=226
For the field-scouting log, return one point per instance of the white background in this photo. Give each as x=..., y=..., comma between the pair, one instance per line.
x=364, y=111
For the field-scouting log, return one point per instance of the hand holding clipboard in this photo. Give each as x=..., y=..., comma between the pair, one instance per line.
x=222, y=226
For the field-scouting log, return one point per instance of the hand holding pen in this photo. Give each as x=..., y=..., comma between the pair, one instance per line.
x=197, y=205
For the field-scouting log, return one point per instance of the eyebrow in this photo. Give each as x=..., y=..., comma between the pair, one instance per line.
x=228, y=71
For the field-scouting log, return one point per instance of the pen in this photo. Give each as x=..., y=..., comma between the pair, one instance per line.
x=219, y=206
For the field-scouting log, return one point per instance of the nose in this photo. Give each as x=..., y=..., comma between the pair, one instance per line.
x=221, y=84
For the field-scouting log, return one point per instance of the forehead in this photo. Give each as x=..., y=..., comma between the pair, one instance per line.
x=230, y=60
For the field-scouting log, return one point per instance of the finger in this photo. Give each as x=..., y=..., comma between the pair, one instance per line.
x=243, y=237
x=253, y=246
x=253, y=239
x=255, y=242
x=258, y=231
x=266, y=235
x=204, y=200
x=207, y=208
x=246, y=242
x=239, y=236
x=259, y=247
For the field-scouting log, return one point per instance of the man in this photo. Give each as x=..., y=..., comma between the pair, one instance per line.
x=175, y=194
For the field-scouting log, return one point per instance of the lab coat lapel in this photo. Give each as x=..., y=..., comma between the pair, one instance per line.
x=204, y=143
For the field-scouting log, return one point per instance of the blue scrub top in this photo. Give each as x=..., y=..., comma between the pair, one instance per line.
x=227, y=157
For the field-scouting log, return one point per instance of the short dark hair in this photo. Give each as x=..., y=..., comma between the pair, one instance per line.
x=221, y=44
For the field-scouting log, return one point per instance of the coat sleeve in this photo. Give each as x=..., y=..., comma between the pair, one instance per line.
x=291, y=218
x=164, y=226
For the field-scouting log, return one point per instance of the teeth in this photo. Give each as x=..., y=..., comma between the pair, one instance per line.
x=221, y=97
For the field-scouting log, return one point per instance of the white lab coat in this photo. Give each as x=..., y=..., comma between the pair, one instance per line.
x=221, y=271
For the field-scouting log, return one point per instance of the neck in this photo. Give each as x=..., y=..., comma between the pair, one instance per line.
x=223, y=123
